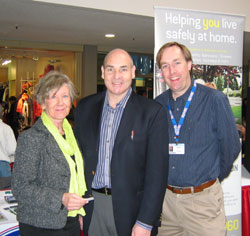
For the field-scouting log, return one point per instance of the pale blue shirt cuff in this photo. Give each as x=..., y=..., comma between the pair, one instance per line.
x=145, y=226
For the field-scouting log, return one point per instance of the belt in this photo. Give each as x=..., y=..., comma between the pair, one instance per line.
x=106, y=191
x=187, y=190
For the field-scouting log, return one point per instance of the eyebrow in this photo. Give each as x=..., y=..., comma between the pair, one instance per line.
x=108, y=66
x=124, y=66
x=176, y=59
x=163, y=63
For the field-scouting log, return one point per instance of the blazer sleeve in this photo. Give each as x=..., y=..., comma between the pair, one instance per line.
x=156, y=170
x=26, y=178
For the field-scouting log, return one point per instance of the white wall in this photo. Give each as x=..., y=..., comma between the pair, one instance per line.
x=146, y=7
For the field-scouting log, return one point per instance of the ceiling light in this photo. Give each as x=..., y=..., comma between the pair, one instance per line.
x=109, y=35
x=5, y=62
x=35, y=58
x=54, y=61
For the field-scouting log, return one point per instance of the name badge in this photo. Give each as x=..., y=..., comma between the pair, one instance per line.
x=177, y=148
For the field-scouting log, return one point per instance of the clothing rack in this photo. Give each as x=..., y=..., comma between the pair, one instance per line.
x=28, y=79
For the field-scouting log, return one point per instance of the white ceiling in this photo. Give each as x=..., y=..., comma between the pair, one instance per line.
x=43, y=22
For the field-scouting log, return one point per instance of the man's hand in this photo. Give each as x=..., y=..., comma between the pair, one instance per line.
x=139, y=231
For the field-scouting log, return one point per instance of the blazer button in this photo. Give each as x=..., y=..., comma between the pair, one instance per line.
x=93, y=172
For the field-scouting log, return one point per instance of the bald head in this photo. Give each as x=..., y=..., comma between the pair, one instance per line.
x=117, y=72
x=117, y=51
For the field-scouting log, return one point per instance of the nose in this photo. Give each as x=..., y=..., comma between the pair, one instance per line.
x=117, y=74
x=60, y=100
x=172, y=69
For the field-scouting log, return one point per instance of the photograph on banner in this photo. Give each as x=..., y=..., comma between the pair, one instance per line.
x=215, y=41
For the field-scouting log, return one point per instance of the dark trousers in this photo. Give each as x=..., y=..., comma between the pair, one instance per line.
x=72, y=228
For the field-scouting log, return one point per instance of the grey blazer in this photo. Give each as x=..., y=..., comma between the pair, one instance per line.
x=41, y=176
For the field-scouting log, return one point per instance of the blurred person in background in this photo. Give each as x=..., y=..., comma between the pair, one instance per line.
x=12, y=116
x=7, y=147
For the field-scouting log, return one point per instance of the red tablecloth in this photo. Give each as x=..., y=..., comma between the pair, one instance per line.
x=246, y=211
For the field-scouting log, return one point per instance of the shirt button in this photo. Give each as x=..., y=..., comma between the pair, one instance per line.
x=173, y=167
x=177, y=109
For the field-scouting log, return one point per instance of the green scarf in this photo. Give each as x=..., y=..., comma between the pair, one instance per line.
x=69, y=148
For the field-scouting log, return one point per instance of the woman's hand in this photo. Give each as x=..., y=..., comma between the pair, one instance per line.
x=72, y=201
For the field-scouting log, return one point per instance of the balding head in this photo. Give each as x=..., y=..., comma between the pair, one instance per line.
x=115, y=51
x=117, y=71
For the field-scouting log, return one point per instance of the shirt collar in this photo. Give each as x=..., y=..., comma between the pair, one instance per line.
x=122, y=103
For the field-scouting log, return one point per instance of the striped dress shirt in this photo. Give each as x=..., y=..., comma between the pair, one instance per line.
x=110, y=122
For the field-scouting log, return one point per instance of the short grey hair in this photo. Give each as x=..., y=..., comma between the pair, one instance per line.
x=53, y=80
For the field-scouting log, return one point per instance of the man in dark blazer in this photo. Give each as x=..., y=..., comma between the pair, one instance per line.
x=124, y=140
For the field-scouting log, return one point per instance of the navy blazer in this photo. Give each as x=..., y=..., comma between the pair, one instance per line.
x=139, y=166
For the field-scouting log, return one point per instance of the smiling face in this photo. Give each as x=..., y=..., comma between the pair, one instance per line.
x=176, y=70
x=58, y=104
x=118, y=72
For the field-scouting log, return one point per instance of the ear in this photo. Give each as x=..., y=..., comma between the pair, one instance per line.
x=133, y=71
x=189, y=65
x=102, y=69
x=43, y=107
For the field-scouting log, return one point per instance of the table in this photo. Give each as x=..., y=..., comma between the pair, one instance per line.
x=245, y=202
x=8, y=223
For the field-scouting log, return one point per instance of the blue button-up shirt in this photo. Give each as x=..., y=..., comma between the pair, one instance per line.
x=209, y=133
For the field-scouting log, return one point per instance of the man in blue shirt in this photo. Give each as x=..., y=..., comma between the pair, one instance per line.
x=203, y=144
x=123, y=138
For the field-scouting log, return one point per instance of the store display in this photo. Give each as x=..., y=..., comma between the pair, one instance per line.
x=10, y=199
x=8, y=208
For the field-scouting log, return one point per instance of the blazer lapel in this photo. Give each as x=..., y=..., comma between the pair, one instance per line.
x=96, y=119
x=54, y=147
x=126, y=123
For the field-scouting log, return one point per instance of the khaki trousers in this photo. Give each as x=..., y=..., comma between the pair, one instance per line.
x=197, y=214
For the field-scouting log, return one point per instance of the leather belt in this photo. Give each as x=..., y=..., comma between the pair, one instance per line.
x=187, y=190
x=106, y=191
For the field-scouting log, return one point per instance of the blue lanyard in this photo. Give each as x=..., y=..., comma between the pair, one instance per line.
x=177, y=127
